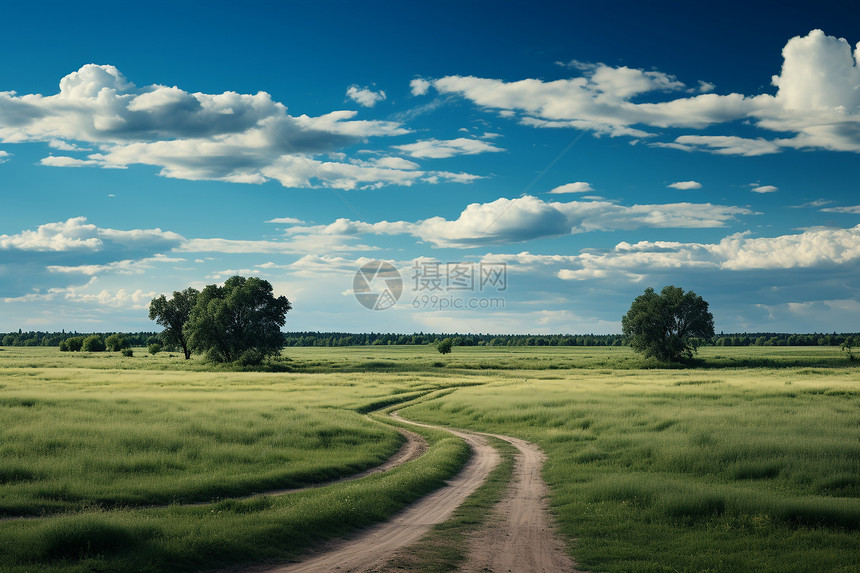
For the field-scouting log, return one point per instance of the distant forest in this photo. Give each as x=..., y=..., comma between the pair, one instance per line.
x=329, y=339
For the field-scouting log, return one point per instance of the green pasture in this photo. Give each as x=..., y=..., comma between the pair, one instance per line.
x=748, y=460
x=426, y=360
x=688, y=470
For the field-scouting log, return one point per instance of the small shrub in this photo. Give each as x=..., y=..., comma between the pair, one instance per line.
x=127, y=352
x=116, y=343
x=154, y=348
x=94, y=343
x=251, y=357
x=444, y=346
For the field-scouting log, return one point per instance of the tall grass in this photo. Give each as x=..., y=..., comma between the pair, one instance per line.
x=196, y=537
x=426, y=361
x=722, y=467
x=745, y=470
x=67, y=454
x=89, y=451
x=74, y=438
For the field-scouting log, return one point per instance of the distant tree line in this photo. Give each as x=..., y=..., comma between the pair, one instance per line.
x=332, y=339
x=39, y=338
x=782, y=339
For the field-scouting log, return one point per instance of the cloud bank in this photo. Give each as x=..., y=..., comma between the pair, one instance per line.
x=815, y=249
x=241, y=138
x=56, y=255
x=817, y=102
x=527, y=218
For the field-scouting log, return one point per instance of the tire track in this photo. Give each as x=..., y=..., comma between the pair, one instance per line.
x=521, y=538
x=371, y=547
x=521, y=535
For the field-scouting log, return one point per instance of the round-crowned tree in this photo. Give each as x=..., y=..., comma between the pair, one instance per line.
x=444, y=346
x=238, y=322
x=74, y=343
x=116, y=343
x=93, y=343
x=668, y=326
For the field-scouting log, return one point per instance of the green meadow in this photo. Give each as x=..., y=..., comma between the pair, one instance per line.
x=748, y=460
x=717, y=470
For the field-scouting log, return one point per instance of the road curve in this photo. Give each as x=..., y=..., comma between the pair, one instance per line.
x=373, y=546
x=520, y=538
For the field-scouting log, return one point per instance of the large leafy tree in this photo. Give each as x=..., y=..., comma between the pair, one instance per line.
x=240, y=321
x=669, y=325
x=172, y=315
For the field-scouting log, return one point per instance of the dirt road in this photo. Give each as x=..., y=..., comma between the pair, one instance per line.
x=520, y=538
x=373, y=546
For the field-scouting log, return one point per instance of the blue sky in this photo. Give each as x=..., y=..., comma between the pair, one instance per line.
x=524, y=167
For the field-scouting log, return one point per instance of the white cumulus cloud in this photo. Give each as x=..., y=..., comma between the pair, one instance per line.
x=577, y=187
x=365, y=96
x=439, y=149
x=506, y=221
x=55, y=255
x=811, y=249
x=75, y=234
x=764, y=188
x=817, y=104
x=419, y=86
x=240, y=138
x=685, y=185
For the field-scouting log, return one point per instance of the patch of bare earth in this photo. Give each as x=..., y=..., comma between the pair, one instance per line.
x=520, y=536
x=372, y=547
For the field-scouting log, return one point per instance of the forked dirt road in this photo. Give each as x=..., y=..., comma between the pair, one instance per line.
x=519, y=538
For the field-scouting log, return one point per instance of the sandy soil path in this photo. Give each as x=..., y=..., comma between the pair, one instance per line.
x=372, y=547
x=520, y=537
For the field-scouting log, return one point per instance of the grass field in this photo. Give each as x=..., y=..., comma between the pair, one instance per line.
x=749, y=461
